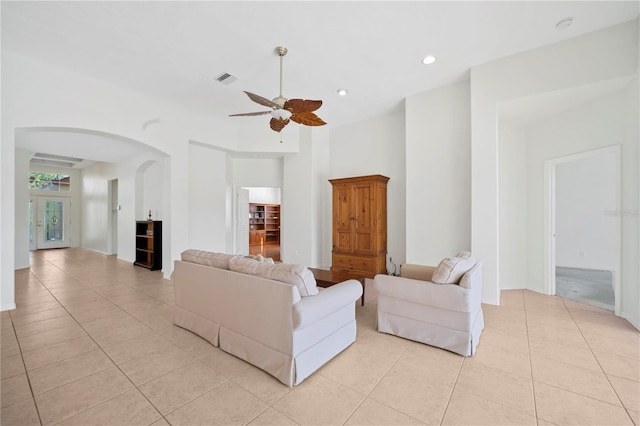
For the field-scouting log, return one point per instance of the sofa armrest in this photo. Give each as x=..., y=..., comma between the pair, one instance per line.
x=416, y=272
x=312, y=309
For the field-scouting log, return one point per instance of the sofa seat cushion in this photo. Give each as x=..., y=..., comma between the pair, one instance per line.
x=207, y=258
x=298, y=275
x=451, y=269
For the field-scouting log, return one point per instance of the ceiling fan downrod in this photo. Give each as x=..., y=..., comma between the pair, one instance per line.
x=280, y=51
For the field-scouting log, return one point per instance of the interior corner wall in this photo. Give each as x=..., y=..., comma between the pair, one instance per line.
x=230, y=196
x=7, y=213
x=321, y=213
x=21, y=210
x=95, y=205
x=438, y=170
x=565, y=64
x=321, y=158
x=512, y=211
x=297, y=198
x=376, y=146
x=586, y=202
x=207, y=191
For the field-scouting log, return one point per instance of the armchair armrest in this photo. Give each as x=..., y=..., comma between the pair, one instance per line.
x=311, y=309
x=417, y=272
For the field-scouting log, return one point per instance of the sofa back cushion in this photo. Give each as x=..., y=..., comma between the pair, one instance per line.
x=207, y=258
x=298, y=275
x=451, y=269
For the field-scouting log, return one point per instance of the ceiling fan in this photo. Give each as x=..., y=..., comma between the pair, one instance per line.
x=284, y=110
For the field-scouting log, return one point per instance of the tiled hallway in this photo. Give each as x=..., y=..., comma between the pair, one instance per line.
x=92, y=343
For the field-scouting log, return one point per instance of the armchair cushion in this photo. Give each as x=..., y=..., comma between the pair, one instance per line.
x=451, y=269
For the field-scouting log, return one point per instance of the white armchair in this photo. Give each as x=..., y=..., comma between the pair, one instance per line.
x=448, y=316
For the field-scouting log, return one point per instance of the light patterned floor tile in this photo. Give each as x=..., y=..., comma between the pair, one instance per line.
x=413, y=393
x=576, y=379
x=14, y=389
x=20, y=414
x=11, y=366
x=60, y=373
x=128, y=409
x=628, y=391
x=366, y=362
x=467, y=409
x=73, y=398
x=227, y=404
x=271, y=417
x=155, y=364
x=261, y=384
x=54, y=353
x=371, y=412
x=507, y=389
x=319, y=401
x=180, y=386
x=567, y=408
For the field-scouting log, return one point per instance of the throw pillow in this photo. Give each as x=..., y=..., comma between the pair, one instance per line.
x=451, y=269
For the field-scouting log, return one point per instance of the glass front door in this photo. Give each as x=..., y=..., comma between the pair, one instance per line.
x=53, y=222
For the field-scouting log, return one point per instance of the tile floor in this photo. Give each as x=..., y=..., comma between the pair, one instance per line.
x=92, y=343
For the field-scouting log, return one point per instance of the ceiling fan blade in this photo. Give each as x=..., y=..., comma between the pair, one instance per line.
x=250, y=113
x=278, y=124
x=308, y=119
x=302, y=105
x=262, y=101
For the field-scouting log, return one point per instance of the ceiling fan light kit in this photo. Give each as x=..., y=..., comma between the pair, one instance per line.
x=284, y=110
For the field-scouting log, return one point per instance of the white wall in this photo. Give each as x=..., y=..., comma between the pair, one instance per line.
x=371, y=147
x=207, y=192
x=95, y=205
x=258, y=172
x=558, y=66
x=586, y=198
x=152, y=189
x=513, y=210
x=438, y=169
x=264, y=195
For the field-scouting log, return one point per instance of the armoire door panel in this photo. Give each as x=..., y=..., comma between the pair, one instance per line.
x=343, y=242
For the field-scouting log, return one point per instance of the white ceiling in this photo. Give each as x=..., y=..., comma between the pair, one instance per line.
x=175, y=50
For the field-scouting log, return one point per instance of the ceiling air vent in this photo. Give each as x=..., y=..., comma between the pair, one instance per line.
x=226, y=78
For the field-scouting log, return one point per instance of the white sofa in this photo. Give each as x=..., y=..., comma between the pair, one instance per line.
x=448, y=316
x=288, y=329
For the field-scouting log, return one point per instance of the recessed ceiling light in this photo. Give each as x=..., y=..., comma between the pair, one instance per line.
x=564, y=23
x=429, y=59
x=342, y=92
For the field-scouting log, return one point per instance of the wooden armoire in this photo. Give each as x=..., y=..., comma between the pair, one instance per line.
x=360, y=225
